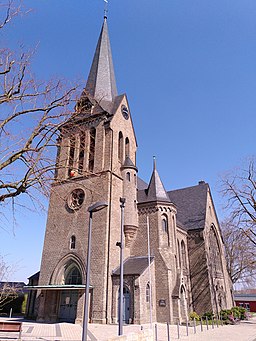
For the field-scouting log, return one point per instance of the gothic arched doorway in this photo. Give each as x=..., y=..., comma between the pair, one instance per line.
x=69, y=298
x=126, y=304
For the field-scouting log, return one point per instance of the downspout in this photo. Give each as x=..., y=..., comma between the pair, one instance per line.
x=109, y=222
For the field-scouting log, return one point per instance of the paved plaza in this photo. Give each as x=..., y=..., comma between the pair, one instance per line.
x=244, y=331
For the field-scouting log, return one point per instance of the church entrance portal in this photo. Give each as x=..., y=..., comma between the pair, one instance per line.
x=126, y=304
x=68, y=306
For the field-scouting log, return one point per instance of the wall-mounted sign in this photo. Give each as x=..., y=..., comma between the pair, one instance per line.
x=162, y=303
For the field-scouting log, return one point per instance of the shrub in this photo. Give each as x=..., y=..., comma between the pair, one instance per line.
x=209, y=315
x=193, y=315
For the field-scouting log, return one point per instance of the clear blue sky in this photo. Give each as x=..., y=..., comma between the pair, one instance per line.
x=188, y=68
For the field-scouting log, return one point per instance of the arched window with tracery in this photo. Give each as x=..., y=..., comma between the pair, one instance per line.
x=120, y=146
x=214, y=251
x=92, y=149
x=73, y=275
x=71, y=159
x=81, y=153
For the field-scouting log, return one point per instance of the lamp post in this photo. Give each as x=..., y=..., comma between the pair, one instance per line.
x=94, y=208
x=121, y=303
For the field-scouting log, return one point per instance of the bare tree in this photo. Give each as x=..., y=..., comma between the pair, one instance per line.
x=8, y=290
x=240, y=254
x=240, y=190
x=31, y=113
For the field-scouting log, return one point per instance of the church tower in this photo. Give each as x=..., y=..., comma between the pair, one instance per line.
x=96, y=161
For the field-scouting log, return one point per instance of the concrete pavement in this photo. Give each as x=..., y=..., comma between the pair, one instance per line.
x=33, y=331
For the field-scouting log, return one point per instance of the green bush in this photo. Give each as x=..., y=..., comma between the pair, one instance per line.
x=209, y=315
x=243, y=312
x=193, y=315
x=236, y=312
x=225, y=313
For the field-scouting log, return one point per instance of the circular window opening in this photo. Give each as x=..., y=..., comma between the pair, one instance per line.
x=76, y=199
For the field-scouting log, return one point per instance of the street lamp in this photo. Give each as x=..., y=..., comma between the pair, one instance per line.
x=94, y=208
x=121, y=304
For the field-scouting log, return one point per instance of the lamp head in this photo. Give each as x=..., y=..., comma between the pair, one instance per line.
x=99, y=205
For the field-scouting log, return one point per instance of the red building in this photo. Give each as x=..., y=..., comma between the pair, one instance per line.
x=246, y=299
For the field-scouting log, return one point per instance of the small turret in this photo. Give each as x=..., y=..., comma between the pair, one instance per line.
x=129, y=174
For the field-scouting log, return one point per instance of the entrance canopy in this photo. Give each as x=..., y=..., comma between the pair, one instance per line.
x=57, y=287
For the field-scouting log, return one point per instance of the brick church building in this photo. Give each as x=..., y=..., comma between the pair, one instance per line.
x=96, y=161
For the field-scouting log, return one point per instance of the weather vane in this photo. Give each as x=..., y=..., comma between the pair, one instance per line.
x=106, y=9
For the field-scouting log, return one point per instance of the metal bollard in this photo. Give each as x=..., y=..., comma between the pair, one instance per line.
x=194, y=326
x=212, y=322
x=156, y=332
x=168, y=332
x=207, y=323
x=187, y=327
x=141, y=327
x=178, y=330
x=217, y=321
x=201, y=323
x=221, y=321
x=10, y=315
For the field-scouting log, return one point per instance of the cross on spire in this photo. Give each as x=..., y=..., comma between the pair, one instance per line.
x=106, y=9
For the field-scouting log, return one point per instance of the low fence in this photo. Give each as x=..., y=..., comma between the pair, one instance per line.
x=167, y=332
x=144, y=335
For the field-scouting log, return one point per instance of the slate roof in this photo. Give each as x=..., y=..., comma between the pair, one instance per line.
x=101, y=83
x=191, y=205
x=141, y=184
x=128, y=164
x=134, y=266
x=155, y=190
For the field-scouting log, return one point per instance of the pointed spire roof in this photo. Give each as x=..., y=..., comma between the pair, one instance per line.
x=156, y=190
x=101, y=83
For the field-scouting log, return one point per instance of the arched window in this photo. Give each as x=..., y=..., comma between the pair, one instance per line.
x=72, y=144
x=179, y=256
x=148, y=293
x=127, y=147
x=120, y=146
x=214, y=251
x=165, y=225
x=92, y=149
x=73, y=242
x=81, y=153
x=128, y=176
x=165, y=230
x=73, y=276
x=183, y=255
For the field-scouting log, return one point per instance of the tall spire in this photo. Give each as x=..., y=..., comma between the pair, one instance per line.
x=156, y=191
x=101, y=83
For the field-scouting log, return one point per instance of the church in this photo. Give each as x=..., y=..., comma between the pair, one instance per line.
x=174, y=261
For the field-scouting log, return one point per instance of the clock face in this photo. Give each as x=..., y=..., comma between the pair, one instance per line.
x=125, y=112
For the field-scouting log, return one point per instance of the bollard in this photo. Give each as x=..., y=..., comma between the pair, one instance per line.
x=217, y=321
x=194, y=326
x=221, y=321
x=10, y=315
x=212, y=322
x=207, y=323
x=156, y=332
x=168, y=332
x=178, y=330
x=187, y=326
x=141, y=327
x=201, y=322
